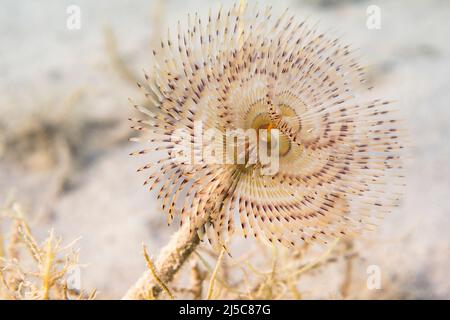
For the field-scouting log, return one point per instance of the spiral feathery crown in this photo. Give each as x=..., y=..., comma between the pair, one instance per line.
x=339, y=158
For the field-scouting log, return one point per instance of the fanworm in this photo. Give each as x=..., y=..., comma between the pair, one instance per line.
x=340, y=157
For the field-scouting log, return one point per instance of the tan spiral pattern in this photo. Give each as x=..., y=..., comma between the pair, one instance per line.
x=339, y=169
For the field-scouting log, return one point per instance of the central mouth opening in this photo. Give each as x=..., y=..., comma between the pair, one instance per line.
x=263, y=122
